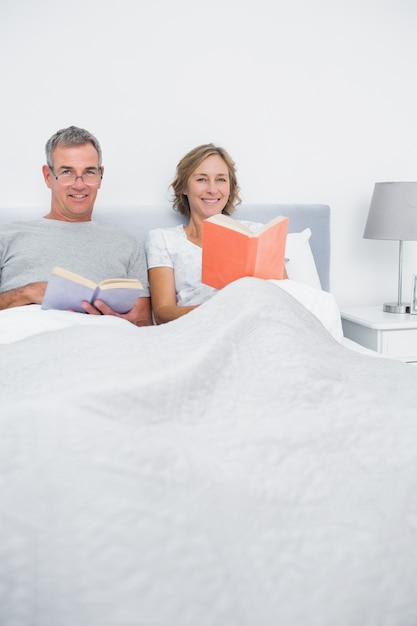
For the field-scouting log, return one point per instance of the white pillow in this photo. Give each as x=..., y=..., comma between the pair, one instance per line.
x=320, y=303
x=299, y=263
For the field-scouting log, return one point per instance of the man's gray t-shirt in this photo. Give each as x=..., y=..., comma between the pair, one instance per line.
x=29, y=250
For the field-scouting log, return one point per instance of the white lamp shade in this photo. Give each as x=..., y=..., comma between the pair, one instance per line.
x=393, y=212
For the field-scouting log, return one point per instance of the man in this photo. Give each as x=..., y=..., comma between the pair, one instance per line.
x=67, y=236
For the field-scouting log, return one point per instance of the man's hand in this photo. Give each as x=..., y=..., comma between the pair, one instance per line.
x=139, y=314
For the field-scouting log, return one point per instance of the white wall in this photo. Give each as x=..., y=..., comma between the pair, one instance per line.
x=314, y=99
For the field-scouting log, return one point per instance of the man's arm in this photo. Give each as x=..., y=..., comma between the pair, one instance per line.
x=28, y=294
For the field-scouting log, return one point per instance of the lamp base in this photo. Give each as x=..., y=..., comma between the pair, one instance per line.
x=394, y=307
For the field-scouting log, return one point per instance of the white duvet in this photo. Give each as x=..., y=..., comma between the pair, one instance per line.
x=237, y=467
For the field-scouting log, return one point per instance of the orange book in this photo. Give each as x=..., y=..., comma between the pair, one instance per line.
x=231, y=250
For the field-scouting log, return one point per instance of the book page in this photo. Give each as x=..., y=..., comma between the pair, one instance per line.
x=76, y=278
x=229, y=222
x=233, y=224
x=120, y=283
x=269, y=224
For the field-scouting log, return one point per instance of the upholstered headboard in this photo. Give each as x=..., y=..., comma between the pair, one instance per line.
x=138, y=220
x=301, y=216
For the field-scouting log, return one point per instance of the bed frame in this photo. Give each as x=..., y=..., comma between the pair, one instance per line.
x=138, y=220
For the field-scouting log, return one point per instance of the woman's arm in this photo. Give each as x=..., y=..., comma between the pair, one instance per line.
x=163, y=295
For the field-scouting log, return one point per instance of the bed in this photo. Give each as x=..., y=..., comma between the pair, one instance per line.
x=240, y=466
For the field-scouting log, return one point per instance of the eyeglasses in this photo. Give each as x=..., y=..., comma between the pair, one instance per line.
x=67, y=178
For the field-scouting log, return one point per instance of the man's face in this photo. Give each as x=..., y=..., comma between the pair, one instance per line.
x=74, y=202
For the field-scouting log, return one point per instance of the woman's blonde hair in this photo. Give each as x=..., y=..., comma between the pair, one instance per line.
x=186, y=167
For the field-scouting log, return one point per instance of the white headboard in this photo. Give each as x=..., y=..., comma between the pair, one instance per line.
x=138, y=220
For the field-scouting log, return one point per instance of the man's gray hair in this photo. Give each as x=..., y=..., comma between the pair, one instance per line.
x=71, y=136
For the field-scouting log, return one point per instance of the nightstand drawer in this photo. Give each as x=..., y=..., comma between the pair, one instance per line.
x=361, y=334
x=398, y=343
x=394, y=335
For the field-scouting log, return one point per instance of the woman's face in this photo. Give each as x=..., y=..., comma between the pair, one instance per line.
x=208, y=187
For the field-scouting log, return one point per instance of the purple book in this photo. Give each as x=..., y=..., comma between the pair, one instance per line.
x=66, y=290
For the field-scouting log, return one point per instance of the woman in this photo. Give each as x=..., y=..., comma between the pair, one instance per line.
x=205, y=184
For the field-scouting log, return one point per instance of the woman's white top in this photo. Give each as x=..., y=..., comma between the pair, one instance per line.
x=169, y=247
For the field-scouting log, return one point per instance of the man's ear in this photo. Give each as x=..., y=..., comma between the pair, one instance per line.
x=47, y=175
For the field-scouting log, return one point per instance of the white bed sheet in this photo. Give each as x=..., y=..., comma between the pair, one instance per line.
x=236, y=467
x=22, y=322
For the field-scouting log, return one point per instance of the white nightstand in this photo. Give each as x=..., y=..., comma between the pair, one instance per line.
x=391, y=334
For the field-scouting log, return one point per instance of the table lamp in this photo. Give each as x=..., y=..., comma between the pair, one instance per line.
x=393, y=215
